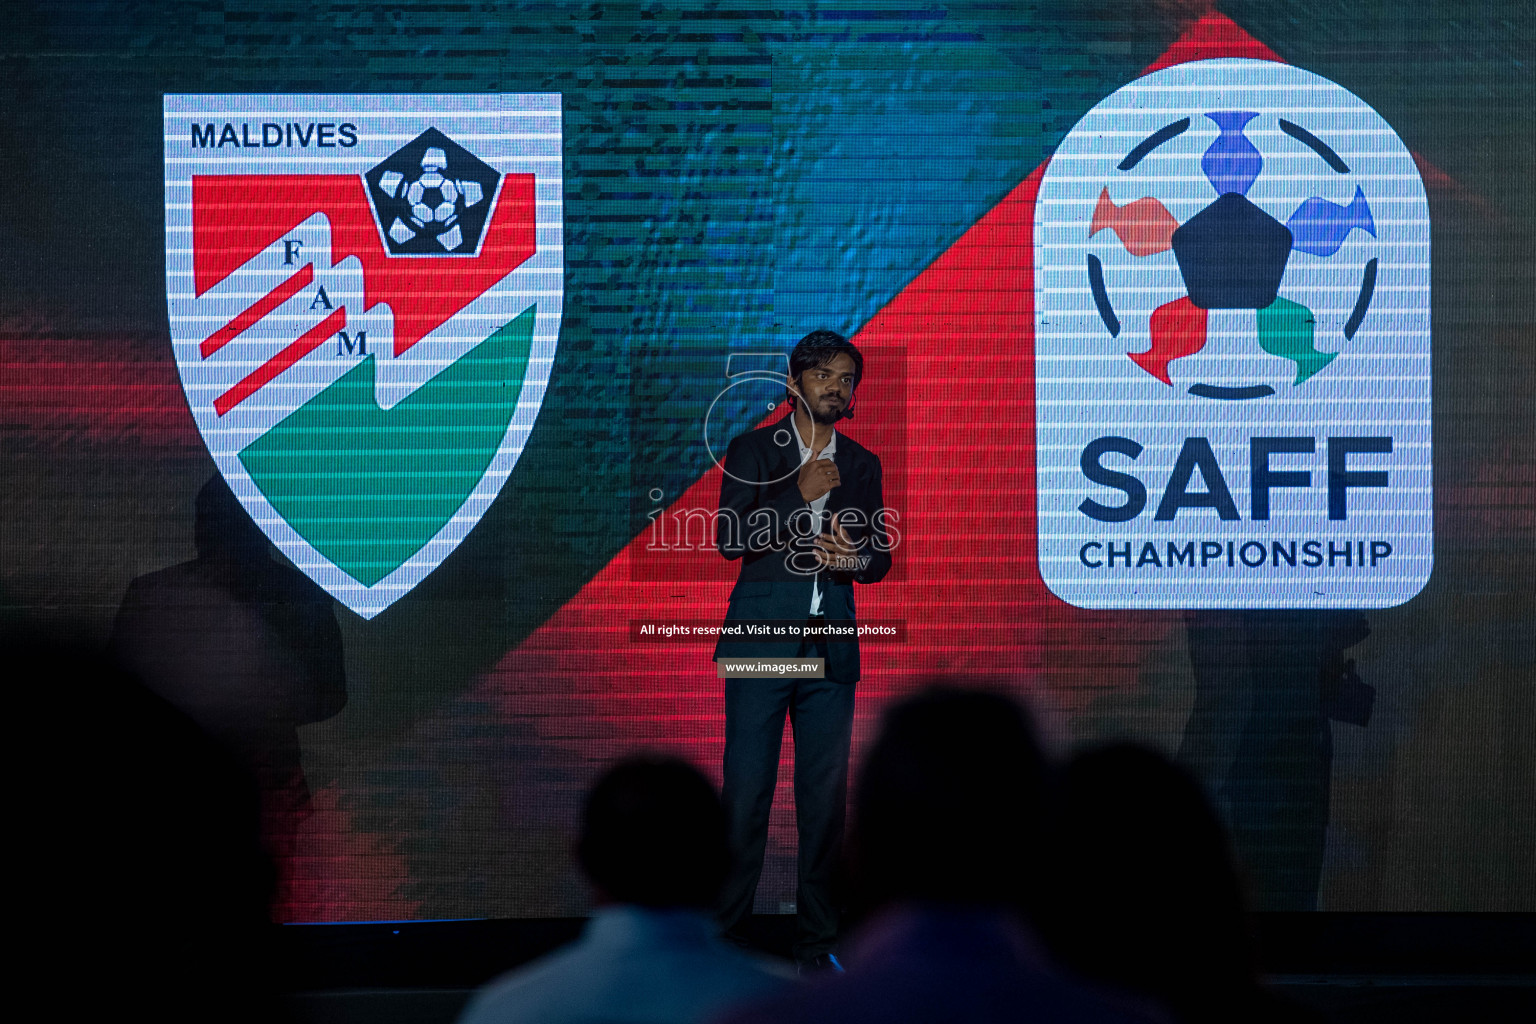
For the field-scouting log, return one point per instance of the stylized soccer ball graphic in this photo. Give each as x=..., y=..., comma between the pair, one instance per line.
x=1231, y=254
x=435, y=201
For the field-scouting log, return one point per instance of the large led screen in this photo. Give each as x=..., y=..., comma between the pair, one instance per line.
x=372, y=377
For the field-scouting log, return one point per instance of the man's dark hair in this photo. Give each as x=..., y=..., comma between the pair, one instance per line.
x=654, y=833
x=818, y=349
x=950, y=802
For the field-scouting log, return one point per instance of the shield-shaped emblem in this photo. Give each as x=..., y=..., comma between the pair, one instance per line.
x=365, y=296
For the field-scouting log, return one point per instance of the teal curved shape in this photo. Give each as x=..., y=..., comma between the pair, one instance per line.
x=1286, y=330
x=369, y=487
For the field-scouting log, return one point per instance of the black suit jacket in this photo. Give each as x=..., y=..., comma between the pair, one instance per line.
x=766, y=524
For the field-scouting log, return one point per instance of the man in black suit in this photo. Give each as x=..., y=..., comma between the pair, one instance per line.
x=801, y=505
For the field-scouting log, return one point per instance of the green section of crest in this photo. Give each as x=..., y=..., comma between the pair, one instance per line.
x=368, y=487
x=1285, y=330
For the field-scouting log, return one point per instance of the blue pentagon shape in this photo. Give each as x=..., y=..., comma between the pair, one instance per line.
x=1232, y=255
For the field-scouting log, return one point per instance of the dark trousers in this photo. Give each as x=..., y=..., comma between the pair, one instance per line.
x=821, y=716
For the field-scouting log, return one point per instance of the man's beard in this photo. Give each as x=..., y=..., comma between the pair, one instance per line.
x=826, y=416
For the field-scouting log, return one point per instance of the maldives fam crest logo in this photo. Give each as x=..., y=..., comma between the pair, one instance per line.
x=365, y=297
x=1232, y=285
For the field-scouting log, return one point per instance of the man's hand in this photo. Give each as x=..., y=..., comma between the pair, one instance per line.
x=817, y=477
x=835, y=550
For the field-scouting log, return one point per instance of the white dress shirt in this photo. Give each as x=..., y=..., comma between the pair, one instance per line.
x=819, y=506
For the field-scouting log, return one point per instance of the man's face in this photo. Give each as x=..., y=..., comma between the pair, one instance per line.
x=828, y=389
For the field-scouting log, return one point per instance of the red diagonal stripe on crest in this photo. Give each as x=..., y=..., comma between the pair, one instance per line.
x=291, y=353
x=258, y=309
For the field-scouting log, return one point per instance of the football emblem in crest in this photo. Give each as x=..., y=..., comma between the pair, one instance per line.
x=365, y=299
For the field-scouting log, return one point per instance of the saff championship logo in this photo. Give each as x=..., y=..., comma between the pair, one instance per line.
x=365, y=297
x=1232, y=285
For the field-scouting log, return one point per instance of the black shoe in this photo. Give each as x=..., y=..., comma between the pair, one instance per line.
x=818, y=964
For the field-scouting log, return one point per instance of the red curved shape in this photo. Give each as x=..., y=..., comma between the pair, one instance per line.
x=1144, y=225
x=1178, y=330
x=236, y=216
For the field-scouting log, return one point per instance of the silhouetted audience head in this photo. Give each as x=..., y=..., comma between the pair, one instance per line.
x=948, y=804
x=654, y=834
x=1144, y=894
x=142, y=875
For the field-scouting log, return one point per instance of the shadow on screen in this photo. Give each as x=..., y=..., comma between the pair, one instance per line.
x=1268, y=686
x=247, y=647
